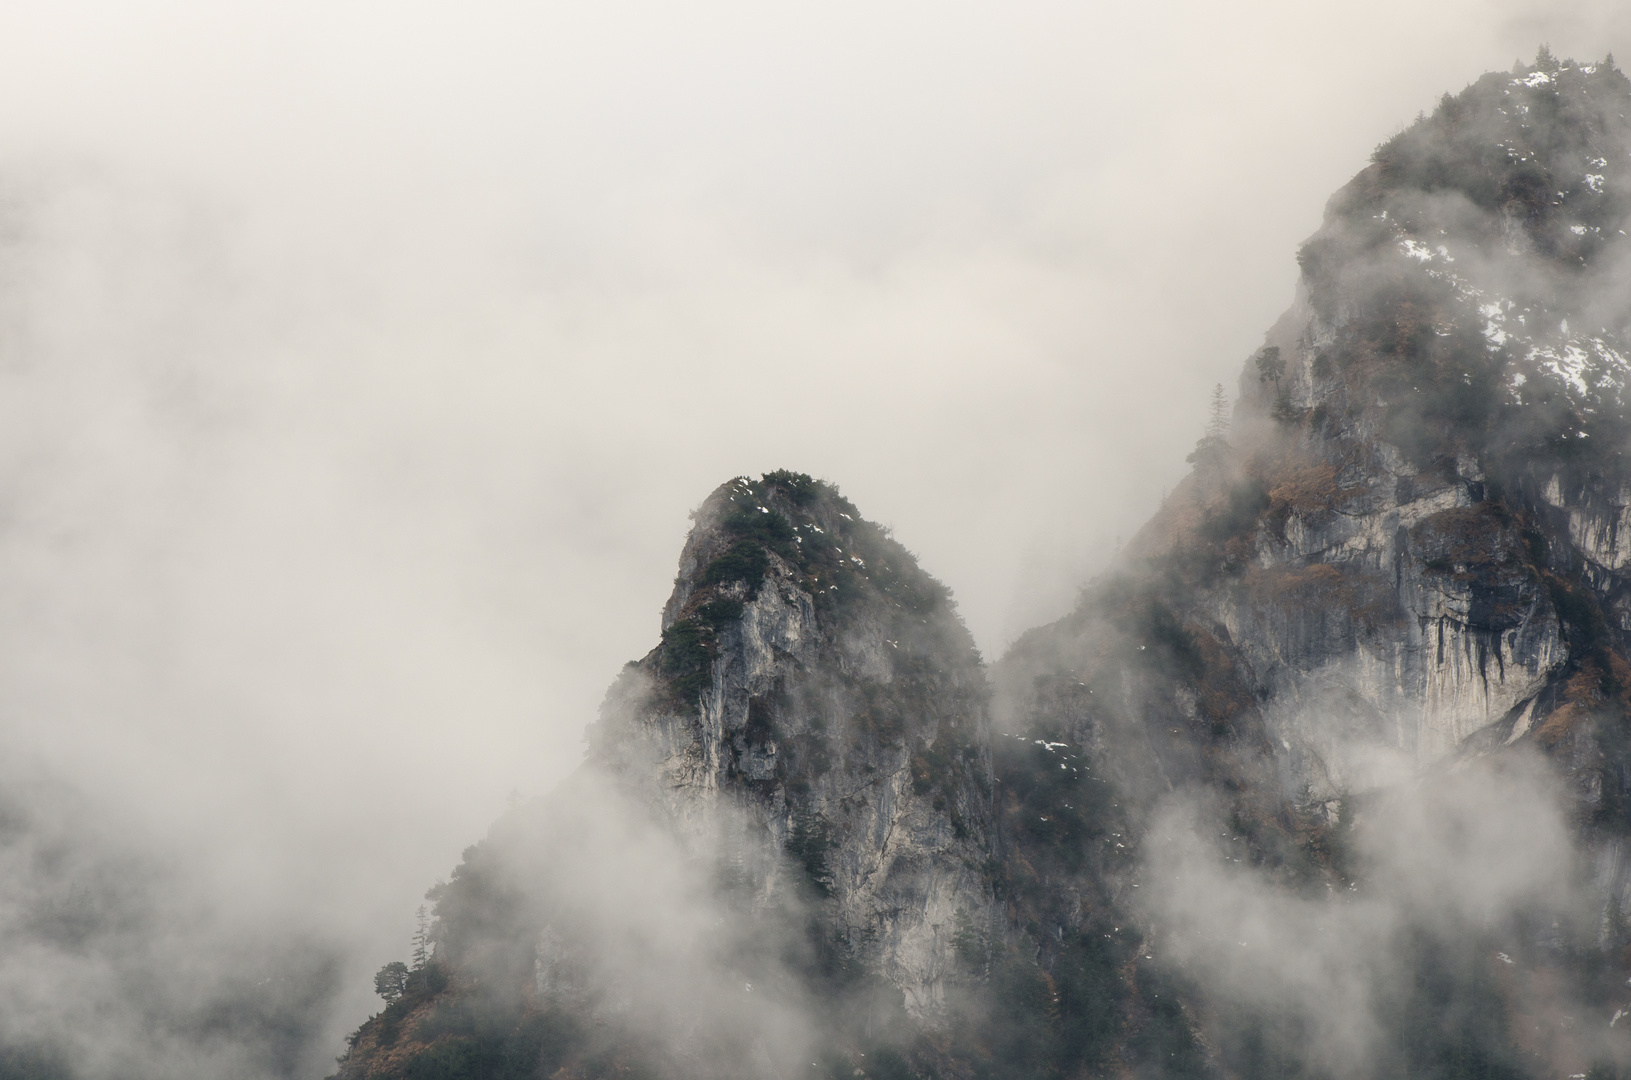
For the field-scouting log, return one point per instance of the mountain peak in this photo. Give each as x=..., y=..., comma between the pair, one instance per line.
x=1471, y=284
x=1294, y=791
x=806, y=544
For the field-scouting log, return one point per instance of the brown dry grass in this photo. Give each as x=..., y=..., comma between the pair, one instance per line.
x=1307, y=490
x=374, y=1059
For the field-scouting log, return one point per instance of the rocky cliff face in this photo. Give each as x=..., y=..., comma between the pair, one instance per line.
x=1405, y=553
x=816, y=693
x=1450, y=429
x=1332, y=779
x=780, y=846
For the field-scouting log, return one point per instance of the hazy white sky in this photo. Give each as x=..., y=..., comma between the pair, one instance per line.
x=359, y=362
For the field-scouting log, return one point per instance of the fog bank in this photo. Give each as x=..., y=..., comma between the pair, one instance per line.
x=359, y=364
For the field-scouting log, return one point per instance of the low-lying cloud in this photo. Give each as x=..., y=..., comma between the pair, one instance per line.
x=358, y=367
x=1467, y=899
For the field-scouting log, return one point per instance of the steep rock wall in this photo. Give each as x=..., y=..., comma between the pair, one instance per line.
x=1408, y=550
x=837, y=703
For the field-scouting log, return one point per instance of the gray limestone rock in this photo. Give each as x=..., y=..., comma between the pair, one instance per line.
x=833, y=718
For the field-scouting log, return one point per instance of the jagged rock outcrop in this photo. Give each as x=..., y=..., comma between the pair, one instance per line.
x=781, y=843
x=818, y=687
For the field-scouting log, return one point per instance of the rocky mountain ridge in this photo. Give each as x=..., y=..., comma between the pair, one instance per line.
x=1332, y=778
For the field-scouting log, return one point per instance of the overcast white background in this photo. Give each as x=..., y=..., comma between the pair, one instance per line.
x=359, y=362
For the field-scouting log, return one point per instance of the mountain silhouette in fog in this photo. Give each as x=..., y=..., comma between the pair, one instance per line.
x=1329, y=776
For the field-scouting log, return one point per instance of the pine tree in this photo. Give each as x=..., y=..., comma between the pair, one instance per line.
x=1212, y=448
x=391, y=981
x=421, y=939
x=1271, y=367
x=1217, y=420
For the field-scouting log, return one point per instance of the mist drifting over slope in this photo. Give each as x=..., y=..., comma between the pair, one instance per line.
x=359, y=365
x=1326, y=778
